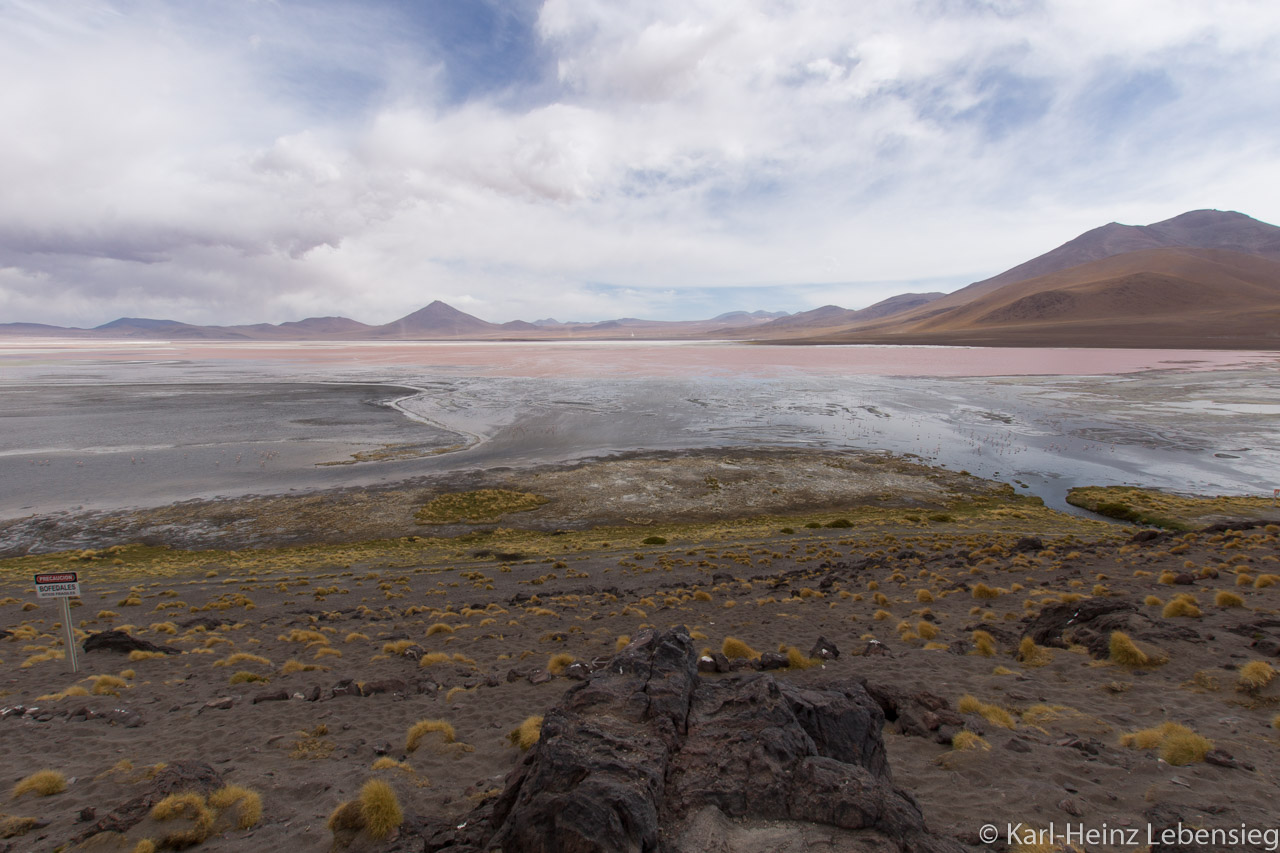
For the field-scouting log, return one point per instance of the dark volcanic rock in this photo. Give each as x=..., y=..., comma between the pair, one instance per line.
x=646, y=756
x=179, y=776
x=1046, y=628
x=121, y=643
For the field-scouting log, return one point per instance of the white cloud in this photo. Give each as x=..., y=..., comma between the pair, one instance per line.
x=282, y=159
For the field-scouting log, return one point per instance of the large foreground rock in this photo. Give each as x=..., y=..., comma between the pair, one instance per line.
x=646, y=756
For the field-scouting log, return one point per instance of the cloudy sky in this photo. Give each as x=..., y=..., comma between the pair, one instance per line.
x=246, y=160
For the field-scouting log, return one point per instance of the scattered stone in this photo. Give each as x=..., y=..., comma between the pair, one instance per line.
x=1027, y=544
x=131, y=719
x=122, y=643
x=271, y=696
x=87, y=814
x=346, y=687
x=539, y=676
x=824, y=649
x=386, y=685
x=875, y=647
x=223, y=703
x=1221, y=758
x=577, y=671
x=774, y=660
x=1073, y=806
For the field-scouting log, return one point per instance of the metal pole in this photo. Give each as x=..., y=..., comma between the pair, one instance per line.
x=71, y=635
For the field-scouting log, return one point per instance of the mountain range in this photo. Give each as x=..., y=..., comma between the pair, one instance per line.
x=1204, y=279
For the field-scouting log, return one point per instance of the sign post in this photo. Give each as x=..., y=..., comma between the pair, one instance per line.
x=63, y=585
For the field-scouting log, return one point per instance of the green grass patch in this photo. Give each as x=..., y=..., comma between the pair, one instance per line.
x=478, y=507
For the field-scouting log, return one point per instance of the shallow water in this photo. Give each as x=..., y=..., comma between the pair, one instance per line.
x=142, y=424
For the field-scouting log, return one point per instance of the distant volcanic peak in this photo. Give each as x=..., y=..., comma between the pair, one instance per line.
x=137, y=323
x=325, y=324
x=438, y=318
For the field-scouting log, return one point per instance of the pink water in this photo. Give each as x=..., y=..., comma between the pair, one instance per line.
x=648, y=359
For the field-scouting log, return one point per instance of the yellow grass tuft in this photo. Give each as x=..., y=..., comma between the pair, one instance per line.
x=242, y=657
x=1184, y=606
x=983, y=591
x=433, y=658
x=1029, y=654
x=1125, y=652
x=558, y=663
x=386, y=762
x=380, y=808
x=422, y=728
x=993, y=714
x=1223, y=598
x=292, y=665
x=1178, y=744
x=927, y=630
x=247, y=804
x=527, y=733
x=797, y=659
x=984, y=644
x=354, y=636
x=1152, y=601
x=966, y=740
x=1255, y=675
x=107, y=685
x=439, y=628
x=187, y=807
x=43, y=783
x=733, y=648
x=924, y=596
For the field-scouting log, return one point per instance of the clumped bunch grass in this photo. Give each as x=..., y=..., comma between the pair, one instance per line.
x=1181, y=606
x=797, y=659
x=1029, y=654
x=43, y=783
x=1124, y=651
x=480, y=506
x=1178, y=744
x=246, y=802
x=527, y=733
x=558, y=663
x=982, y=591
x=966, y=740
x=1255, y=675
x=187, y=806
x=376, y=811
x=1223, y=598
x=419, y=730
x=733, y=648
x=992, y=713
x=984, y=644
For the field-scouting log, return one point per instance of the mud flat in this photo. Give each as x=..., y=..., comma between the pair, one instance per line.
x=134, y=426
x=1003, y=697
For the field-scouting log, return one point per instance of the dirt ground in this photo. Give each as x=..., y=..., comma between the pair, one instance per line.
x=275, y=647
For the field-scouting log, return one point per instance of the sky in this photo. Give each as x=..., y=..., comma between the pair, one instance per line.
x=268, y=160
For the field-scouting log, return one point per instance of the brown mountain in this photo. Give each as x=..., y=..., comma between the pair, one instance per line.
x=1206, y=278
x=1167, y=297
x=437, y=320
